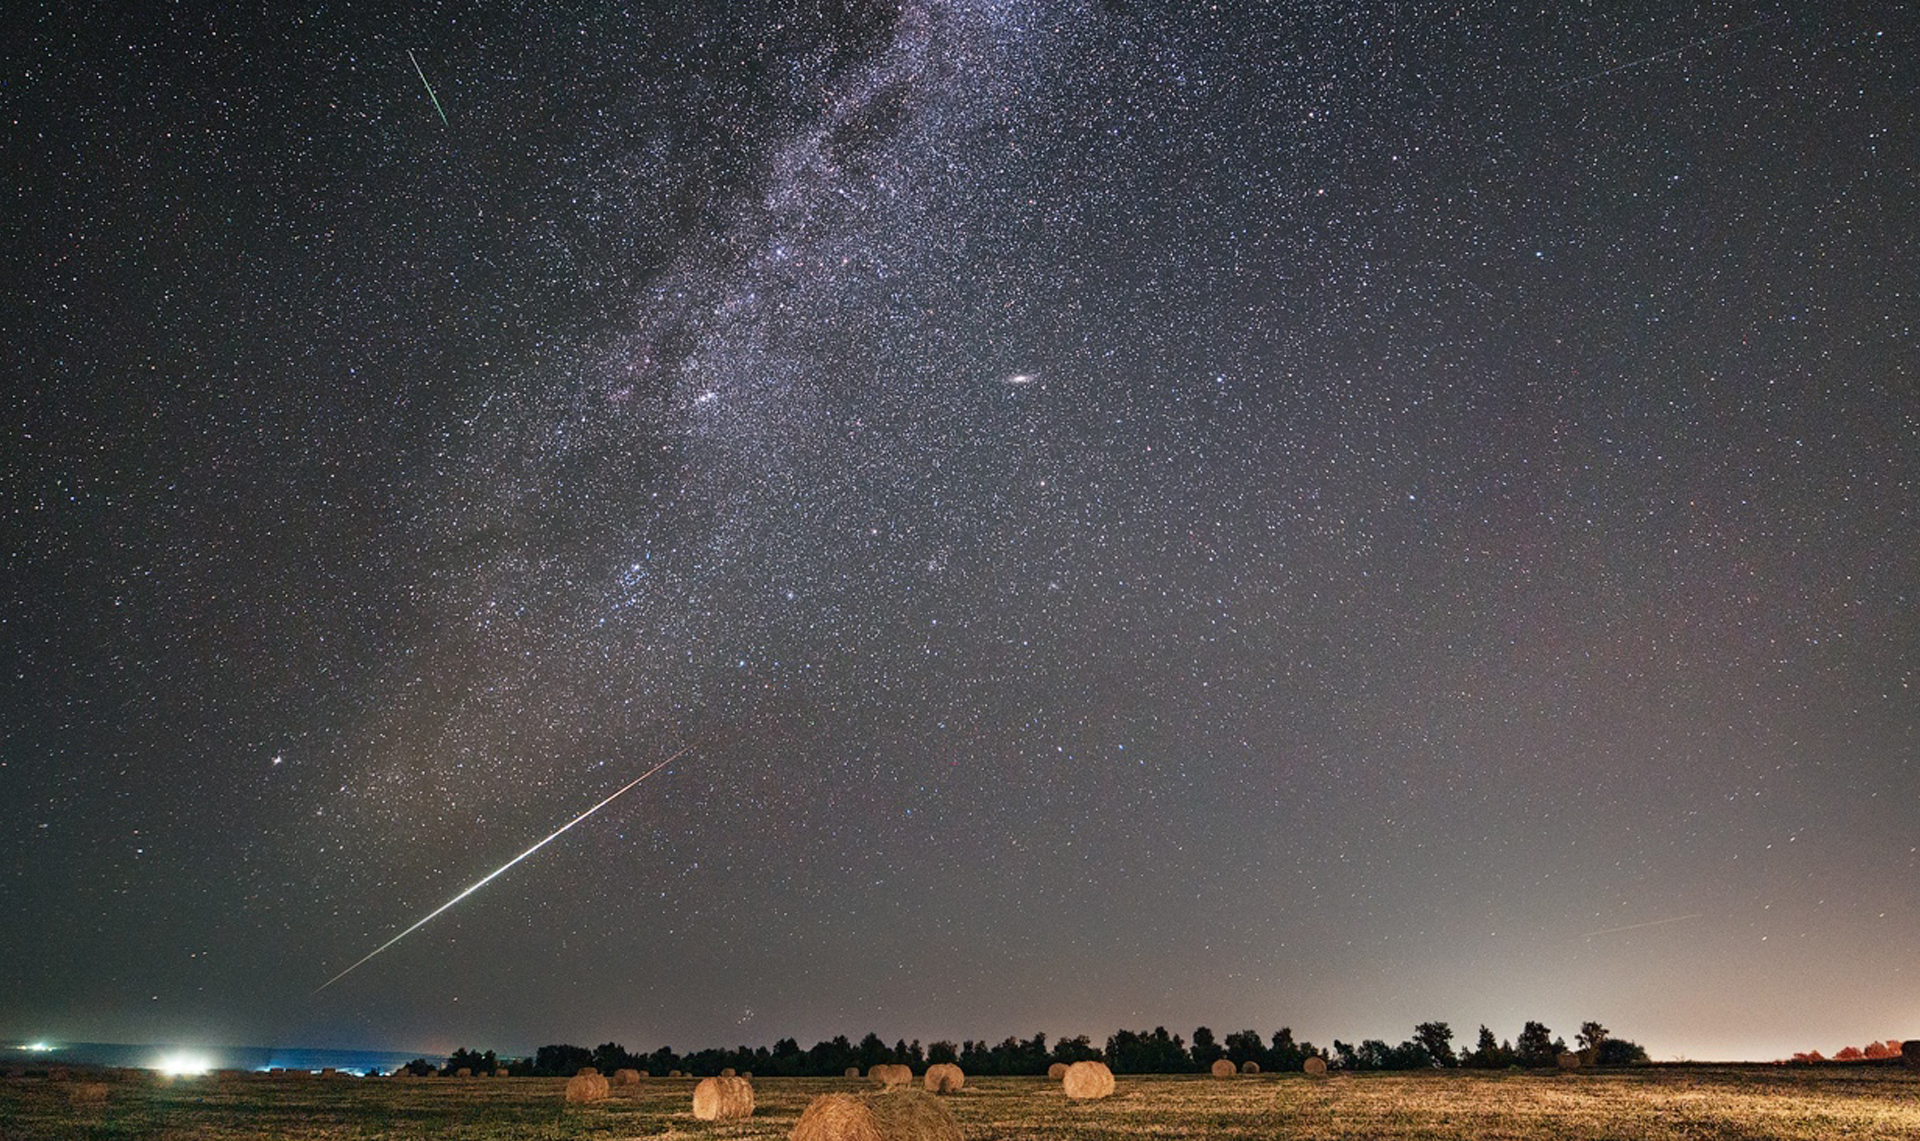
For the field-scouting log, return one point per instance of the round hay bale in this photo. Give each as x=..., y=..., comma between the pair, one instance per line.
x=727, y=1072
x=895, y=1115
x=626, y=1077
x=891, y=1074
x=723, y=1099
x=462, y=1072
x=1568, y=1061
x=675, y=1074
x=502, y=1073
x=945, y=1077
x=1249, y=1067
x=1086, y=1081
x=747, y=1074
x=1222, y=1068
x=585, y=1070
x=1315, y=1066
x=1057, y=1071
x=853, y=1071
x=586, y=1087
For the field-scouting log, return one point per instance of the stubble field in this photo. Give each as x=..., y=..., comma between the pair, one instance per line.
x=1697, y=1104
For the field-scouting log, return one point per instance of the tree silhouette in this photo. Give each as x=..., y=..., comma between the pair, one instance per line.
x=1205, y=1050
x=1285, y=1054
x=561, y=1060
x=470, y=1061
x=1619, y=1052
x=1127, y=1051
x=872, y=1052
x=1244, y=1046
x=1436, y=1038
x=1489, y=1053
x=1076, y=1049
x=1535, y=1045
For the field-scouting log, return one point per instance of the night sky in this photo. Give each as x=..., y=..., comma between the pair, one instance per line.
x=1257, y=514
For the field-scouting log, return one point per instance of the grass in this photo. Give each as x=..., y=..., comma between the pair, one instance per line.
x=1695, y=1104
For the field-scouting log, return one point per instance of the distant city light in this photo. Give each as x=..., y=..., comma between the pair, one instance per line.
x=38, y=1047
x=183, y=1064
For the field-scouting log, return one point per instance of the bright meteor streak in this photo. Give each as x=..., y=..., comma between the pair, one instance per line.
x=429, y=87
x=495, y=874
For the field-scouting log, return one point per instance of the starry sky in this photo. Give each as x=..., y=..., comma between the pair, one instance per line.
x=1246, y=514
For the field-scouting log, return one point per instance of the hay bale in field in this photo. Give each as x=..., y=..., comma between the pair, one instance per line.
x=727, y=1072
x=896, y=1115
x=891, y=1074
x=1057, y=1071
x=945, y=1077
x=626, y=1077
x=675, y=1074
x=853, y=1071
x=747, y=1074
x=462, y=1072
x=1568, y=1061
x=722, y=1099
x=1086, y=1081
x=1222, y=1068
x=1249, y=1067
x=1315, y=1066
x=501, y=1073
x=587, y=1086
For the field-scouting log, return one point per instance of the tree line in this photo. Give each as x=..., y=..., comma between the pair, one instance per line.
x=1125, y=1051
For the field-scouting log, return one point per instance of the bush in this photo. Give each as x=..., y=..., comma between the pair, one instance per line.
x=1620, y=1052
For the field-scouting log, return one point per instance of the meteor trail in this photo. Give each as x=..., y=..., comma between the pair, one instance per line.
x=1638, y=926
x=443, y=122
x=1646, y=59
x=503, y=867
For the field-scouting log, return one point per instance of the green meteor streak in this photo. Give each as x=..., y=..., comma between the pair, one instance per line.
x=429, y=87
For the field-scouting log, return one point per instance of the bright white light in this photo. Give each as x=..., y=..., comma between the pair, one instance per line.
x=38, y=1047
x=183, y=1065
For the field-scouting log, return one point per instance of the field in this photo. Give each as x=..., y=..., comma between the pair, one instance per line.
x=1697, y=1104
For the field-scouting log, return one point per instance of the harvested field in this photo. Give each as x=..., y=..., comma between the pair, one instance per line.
x=1657, y=1104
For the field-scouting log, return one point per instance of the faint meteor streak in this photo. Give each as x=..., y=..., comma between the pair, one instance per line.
x=503, y=867
x=1638, y=926
x=1656, y=56
x=429, y=87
